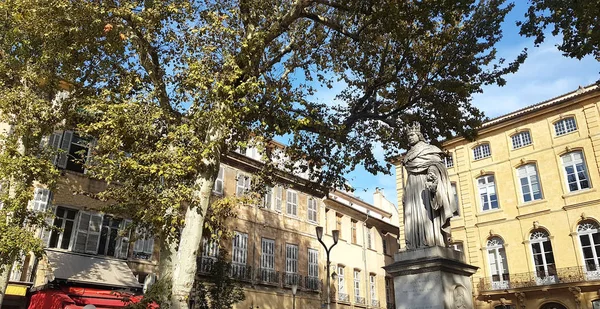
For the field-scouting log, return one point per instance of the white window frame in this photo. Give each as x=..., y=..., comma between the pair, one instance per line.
x=278, y=196
x=541, y=238
x=449, y=160
x=372, y=285
x=313, y=263
x=243, y=184
x=291, y=263
x=143, y=248
x=291, y=203
x=341, y=284
x=239, y=253
x=586, y=230
x=267, y=259
x=521, y=139
x=482, y=151
x=528, y=180
x=41, y=199
x=574, y=163
x=356, y=284
x=220, y=181
x=89, y=233
x=564, y=126
x=311, y=207
x=497, y=263
x=489, y=191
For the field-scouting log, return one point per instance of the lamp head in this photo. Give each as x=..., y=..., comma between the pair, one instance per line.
x=334, y=275
x=336, y=236
x=294, y=289
x=319, y=232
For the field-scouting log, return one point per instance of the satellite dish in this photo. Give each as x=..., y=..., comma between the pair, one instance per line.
x=148, y=282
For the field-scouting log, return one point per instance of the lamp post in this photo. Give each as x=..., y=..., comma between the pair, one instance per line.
x=294, y=289
x=336, y=235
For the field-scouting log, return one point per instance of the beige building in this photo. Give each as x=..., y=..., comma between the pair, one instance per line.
x=529, y=205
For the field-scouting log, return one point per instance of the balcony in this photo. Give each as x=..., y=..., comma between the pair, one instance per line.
x=359, y=300
x=312, y=284
x=343, y=297
x=206, y=264
x=268, y=276
x=532, y=279
x=374, y=303
x=241, y=272
x=291, y=279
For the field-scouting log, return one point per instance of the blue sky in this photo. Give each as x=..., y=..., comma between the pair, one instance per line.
x=545, y=74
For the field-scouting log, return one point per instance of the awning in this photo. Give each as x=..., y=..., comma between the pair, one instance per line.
x=16, y=289
x=77, y=298
x=95, y=270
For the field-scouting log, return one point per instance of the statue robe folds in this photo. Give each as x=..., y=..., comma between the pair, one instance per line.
x=428, y=199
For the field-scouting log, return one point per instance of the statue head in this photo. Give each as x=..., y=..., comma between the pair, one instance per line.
x=413, y=132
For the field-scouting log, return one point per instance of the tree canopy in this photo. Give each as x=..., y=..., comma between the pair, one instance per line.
x=166, y=88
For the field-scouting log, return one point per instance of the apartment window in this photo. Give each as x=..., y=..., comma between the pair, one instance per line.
x=291, y=204
x=242, y=184
x=341, y=283
x=455, y=195
x=74, y=150
x=111, y=242
x=521, y=139
x=219, y=182
x=369, y=237
x=239, y=256
x=497, y=262
x=448, y=160
x=372, y=290
x=278, y=198
x=384, y=241
x=389, y=290
x=268, y=198
x=353, y=230
x=143, y=246
x=482, y=151
x=65, y=221
x=529, y=182
x=41, y=198
x=543, y=258
x=312, y=209
x=575, y=171
x=291, y=264
x=589, y=239
x=267, y=260
x=356, y=284
x=338, y=224
x=210, y=252
x=565, y=126
x=487, y=192
x=313, y=269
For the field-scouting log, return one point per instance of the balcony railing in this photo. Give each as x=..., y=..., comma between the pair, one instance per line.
x=268, y=276
x=359, y=300
x=530, y=279
x=291, y=279
x=312, y=283
x=375, y=303
x=343, y=297
x=241, y=272
x=206, y=264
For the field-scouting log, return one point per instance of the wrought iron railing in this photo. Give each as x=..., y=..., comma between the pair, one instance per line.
x=206, y=264
x=375, y=303
x=312, y=283
x=530, y=279
x=292, y=278
x=359, y=300
x=343, y=297
x=241, y=272
x=268, y=276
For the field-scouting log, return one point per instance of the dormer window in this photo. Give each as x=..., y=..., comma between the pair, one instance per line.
x=521, y=139
x=482, y=151
x=565, y=126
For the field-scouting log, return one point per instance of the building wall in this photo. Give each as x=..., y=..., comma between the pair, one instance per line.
x=558, y=212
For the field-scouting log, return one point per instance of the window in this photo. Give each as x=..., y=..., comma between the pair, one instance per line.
x=268, y=198
x=243, y=184
x=448, y=160
x=278, y=197
x=543, y=258
x=589, y=239
x=267, y=260
x=326, y=220
x=497, y=262
x=65, y=221
x=384, y=242
x=312, y=209
x=41, y=198
x=372, y=287
x=210, y=252
x=389, y=290
x=291, y=205
x=313, y=269
x=218, y=188
x=565, y=126
x=482, y=151
x=291, y=264
x=521, y=139
x=575, y=171
x=338, y=224
x=74, y=150
x=356, y=284
x=487, y=192
x=341, y=283
x=596, y=304
x=111, y=242
x=353, y=230
x=529, y=182
x=455, y=195
x=369, y=237
x=143, y=246
x=239, y=255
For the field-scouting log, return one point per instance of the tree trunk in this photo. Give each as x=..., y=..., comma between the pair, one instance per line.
x=184, y=263
x=4, y=275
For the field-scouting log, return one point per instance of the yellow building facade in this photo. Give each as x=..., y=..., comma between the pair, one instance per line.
x=529, y=205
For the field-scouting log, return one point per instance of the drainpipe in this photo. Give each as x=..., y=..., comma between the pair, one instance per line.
x=367, y=287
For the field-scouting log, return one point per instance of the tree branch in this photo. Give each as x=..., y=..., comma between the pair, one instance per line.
x=329, y=23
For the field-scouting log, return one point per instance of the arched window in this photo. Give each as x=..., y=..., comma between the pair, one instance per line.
x=487, y=192
x=482, y=151
x=565, y=126
x=553, y=306
x=575, y=171
x=521, y=139
x=543, y=258
x=498, y=264
x=589, y=238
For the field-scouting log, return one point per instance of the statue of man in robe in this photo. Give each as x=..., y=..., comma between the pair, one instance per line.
x=428, y=199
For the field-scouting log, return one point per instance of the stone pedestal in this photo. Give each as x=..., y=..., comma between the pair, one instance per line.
x=432, y=278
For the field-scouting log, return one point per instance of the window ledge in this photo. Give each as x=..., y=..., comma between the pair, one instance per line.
x=578, y=192
x=291, y=216
x=488, y=212
x=312, y=222
x=536, y=202
x=522, y=147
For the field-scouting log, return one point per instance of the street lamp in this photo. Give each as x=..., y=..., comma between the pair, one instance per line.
x=336, y=236
x=294, y=289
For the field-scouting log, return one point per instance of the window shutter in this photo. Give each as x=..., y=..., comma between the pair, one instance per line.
x=45, y=233
x=149, y=245
x=278, y=198
x=82, y=231
x=54, y=142
x=122, y=249
x=65, y=145
x=88, y=232
x=89, y=158
x=41, y=198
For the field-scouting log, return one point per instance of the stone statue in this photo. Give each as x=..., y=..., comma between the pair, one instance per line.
x=428, y=199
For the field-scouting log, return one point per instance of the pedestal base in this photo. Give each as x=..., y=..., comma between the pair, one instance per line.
x=432, y=278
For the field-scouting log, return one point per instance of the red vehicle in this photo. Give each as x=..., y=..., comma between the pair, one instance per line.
x=79, y=297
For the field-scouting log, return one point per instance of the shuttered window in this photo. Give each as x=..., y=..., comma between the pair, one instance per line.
x=88, y=232
x=240, y=248
x=41, y=198
x=243, y=184
x=278, y=197
x=312, y=209
x=313, y=263
x=292, y=203
x=143, y=246
x=291, y=259
x=219, y=182
x=267, y=260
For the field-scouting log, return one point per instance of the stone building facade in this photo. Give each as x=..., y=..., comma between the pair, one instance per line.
x=529, y=205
